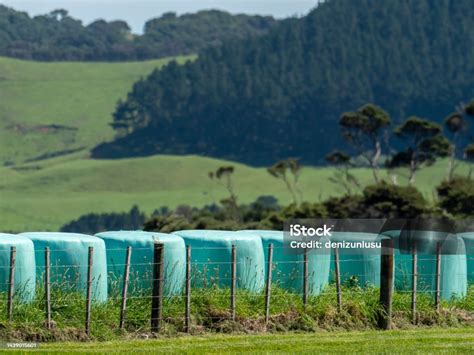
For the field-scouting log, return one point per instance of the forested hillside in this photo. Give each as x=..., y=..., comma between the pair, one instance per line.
x=281, y=94
x=57, y=36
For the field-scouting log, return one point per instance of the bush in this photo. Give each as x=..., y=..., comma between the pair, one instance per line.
x=457, y=196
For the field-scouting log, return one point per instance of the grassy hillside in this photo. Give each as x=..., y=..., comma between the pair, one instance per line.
x=52, y=107
x=48, y=194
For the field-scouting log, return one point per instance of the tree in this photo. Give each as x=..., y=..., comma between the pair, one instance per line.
x=342, y=176
x=390, y=201
x=59, y=14
x=469, y=157
x=424, y=143
x=458, y=127
x=364, y=130
x=455, y=124
x=457, y=196
x=223, y=176
x=469, y=150
x=281, y=169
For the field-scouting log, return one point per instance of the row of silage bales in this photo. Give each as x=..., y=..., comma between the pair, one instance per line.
x=211, y=258
x=25, y=267
x=453, y=274
x=465, y=231
x=468, y=239
x=364, y=264
x=358, y=265
x=141, y=270
x=288, y=267
x=69, y=257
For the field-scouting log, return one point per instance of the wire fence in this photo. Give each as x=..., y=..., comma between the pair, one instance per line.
x=149, y=287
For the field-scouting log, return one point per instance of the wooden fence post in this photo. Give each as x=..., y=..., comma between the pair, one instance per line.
x=414, y=283
x=157, y=295
x=47, y=286
x=89, y=291
x=386, y=284
x=338, y=279
x=268, y=286
x=187, y=310
x=438, y=277
x=126, y=276
x=11, y=283
x=233, y=285
x=305, y=278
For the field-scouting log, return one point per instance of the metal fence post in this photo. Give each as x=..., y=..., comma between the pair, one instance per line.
x=233, y=285
x=305, y=278
x=47, y=286
x=438, y=276
x=157, y=295
x=414, y=283
x=268, y=285
x=187, y=311
x=338, y=279
x=126, y=276
x=89, y=291
x=11, y=283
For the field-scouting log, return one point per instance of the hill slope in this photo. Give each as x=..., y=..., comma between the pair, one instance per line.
x=48, y=194
x=54, y=107
x=281, y=94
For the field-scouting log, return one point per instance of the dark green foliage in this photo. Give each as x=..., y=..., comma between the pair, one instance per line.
x=364, y=130
x=390, y=201
x=455, y=123
x=416, y=128
x=424, y=143
x=280, y=95
x=457, y=196
x=379, y=201
x=215, y=217
x=469, y=153
x=367, y=120
x=57, y=36
x=348, y=206
x=275, y=220
x=437, y=146
x=469, y=108
x=338, y=158
x=94, y=223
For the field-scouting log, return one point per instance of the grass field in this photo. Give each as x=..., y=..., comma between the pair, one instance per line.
x=77, y=97
x=47, y=194
x=427, y=341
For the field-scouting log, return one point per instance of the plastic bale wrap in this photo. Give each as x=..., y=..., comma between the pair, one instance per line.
x=141, y=269
x=69, y=255
x=25, y=267
x=360, y=266
x=453, y=263
x=469, y=244
x=288, y=267
x=211, y=258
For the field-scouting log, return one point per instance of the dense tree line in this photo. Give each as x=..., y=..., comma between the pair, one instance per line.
x=280, y=95
x=380, y=200
x=100, y=222
x=57, y=36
